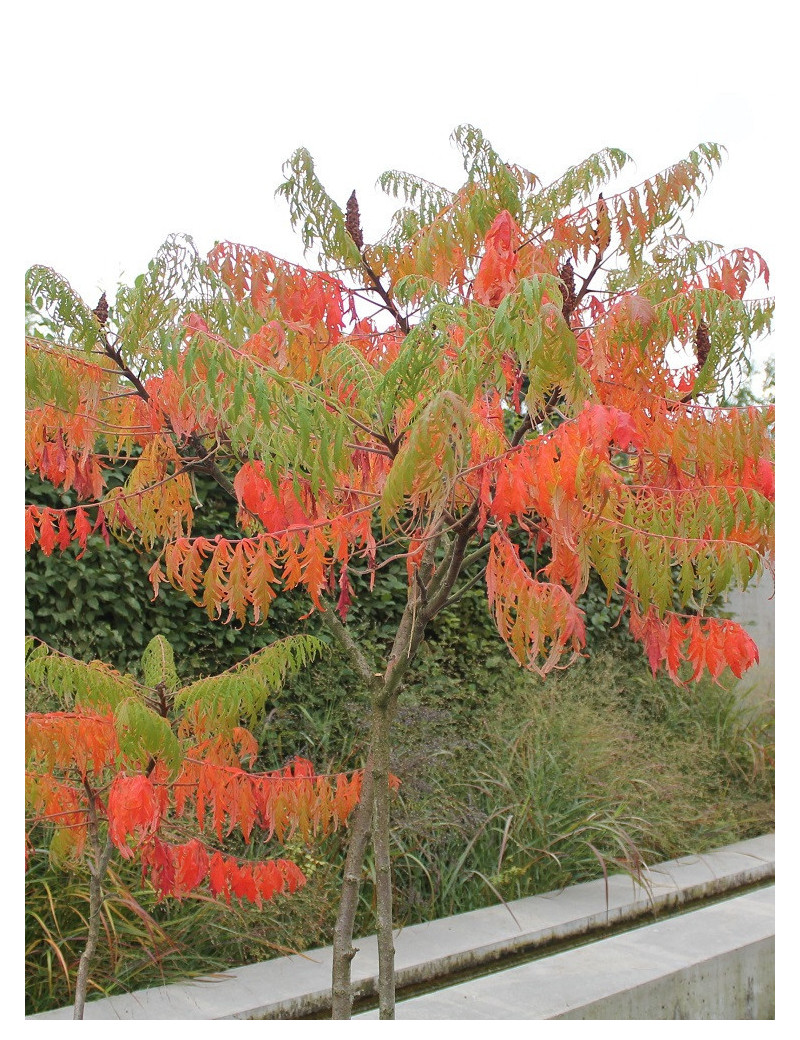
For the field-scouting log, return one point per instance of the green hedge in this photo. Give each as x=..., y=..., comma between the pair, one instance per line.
x=100, y=605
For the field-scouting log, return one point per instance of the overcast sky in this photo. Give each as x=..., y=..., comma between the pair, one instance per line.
x=148, y=118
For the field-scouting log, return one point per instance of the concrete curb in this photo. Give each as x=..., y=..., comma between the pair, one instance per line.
x=290, y=987
x=717, y=962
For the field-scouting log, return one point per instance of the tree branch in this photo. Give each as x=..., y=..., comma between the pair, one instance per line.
x=343, y=950
x=529, y=422
x=601, y=256
x=469, y=585
x=450, y=574
x=348, y=644
x=379, y=289
x=381, y=840
x=203, y=461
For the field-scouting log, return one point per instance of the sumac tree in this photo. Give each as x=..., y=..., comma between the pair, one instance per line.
x=156, y=770
x=511, y=367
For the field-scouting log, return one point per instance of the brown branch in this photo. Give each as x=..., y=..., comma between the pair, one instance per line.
x=449, y=575
x=586, y=281
x=521, y=430
x=530, y=421
x=202, y=462
x=464, y=588
x=390, y=306
x=349, y=645
x=116, y=356
x=381, y=841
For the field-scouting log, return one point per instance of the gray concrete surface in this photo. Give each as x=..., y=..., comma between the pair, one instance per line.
x=291, y=986
x=754, y=609
x=713, y=963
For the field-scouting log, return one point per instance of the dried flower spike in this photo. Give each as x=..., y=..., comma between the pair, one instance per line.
x=702, y=343
x=101, y=310
x=567, y=274
x=353, y=221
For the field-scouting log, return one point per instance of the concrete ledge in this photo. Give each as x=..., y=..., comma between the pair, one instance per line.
x=717, y=962
x=289, y=987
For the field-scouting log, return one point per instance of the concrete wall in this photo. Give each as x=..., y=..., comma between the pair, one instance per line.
x=713, y=962
x=754, y=609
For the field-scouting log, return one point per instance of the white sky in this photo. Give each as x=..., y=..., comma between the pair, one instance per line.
x=129, y=121
x=148, y=118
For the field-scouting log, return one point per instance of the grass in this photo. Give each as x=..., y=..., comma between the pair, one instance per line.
x=597, y=768
x=144, y=943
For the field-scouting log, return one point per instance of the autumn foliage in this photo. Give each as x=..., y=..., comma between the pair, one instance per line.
x=125, y=760
x=337, y=435
x=530, y=377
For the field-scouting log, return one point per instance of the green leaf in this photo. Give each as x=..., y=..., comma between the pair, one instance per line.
x=158, y=665
x=144, y=735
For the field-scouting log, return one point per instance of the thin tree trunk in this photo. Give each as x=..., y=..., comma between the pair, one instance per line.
x=383, y=866
x=343, y=949
x=360, y=828
x=426, y=598
x=97, y=873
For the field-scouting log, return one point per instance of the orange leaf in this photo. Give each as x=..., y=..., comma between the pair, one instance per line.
x=496, y=276
x=134, y=808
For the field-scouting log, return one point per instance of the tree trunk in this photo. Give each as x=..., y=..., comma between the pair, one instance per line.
x=383, y=867
x=95, y=906
x=426, y=598
x=370, y=819
x=343, y=949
